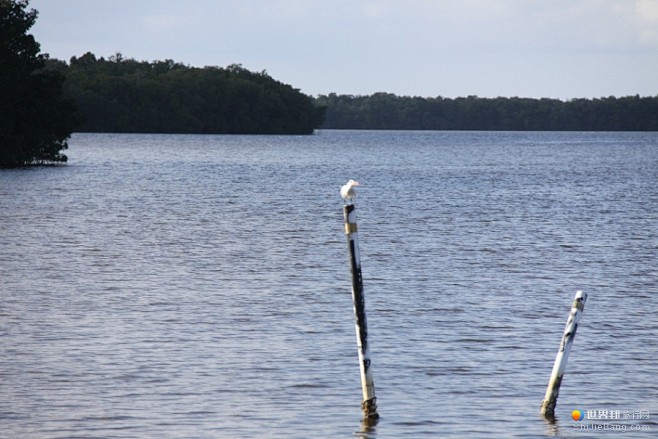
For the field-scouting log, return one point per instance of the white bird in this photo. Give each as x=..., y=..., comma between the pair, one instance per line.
x=347, y=190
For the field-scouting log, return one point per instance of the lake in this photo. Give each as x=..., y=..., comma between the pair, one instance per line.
x=182, y=286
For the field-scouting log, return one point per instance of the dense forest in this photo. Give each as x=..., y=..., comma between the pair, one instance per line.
x=124, y=95
x=388, y=111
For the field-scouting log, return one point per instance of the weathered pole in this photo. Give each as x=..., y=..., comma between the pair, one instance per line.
x=369, y=404
x=550, y=399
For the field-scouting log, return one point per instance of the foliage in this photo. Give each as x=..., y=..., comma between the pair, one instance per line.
x=125, y=95
x=388, y=111
x=35, y=119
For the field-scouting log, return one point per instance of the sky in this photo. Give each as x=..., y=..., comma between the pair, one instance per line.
x=560, y=49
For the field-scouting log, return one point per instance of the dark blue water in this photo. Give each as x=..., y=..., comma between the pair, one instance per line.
x=198, y=286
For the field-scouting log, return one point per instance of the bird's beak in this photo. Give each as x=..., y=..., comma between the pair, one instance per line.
x=356, y=183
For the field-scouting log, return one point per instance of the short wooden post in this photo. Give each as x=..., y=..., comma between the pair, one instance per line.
x=369, y=404
x=550, y=399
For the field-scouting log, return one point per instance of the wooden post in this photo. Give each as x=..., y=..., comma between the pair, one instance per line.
x=550, y=400
x=369, y=404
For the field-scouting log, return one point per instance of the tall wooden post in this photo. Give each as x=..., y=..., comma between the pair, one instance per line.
x=550, y=400
x=369, y=404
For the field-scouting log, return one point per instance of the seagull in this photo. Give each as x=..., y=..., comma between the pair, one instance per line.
x=347, y=191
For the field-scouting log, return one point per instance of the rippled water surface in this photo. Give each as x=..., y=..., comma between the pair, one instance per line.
x=198, y=286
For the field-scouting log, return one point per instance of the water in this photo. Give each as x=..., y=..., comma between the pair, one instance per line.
x=198, y=286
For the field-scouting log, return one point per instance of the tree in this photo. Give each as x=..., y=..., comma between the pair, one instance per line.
x=35, y=118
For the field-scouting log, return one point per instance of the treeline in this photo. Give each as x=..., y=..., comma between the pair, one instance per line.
x=388, y=111
x=124, y=95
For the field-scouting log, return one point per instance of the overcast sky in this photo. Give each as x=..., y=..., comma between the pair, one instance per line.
x=529, y=48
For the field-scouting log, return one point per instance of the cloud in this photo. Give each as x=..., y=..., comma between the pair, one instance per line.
x=647, y=15
x=647, y=10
